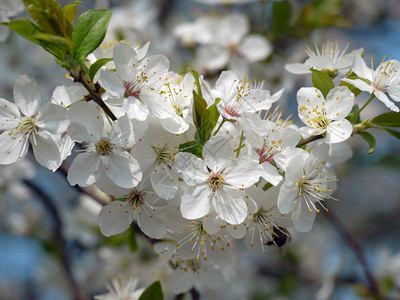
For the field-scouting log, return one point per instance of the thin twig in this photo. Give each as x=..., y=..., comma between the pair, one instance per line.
x=358, y=251
x=59, y=238
x=309, y=139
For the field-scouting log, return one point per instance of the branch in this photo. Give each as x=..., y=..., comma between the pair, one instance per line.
x=309, y=139
x=59, y=239
x=357, y=249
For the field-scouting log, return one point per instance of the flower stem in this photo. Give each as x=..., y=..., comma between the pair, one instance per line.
x=240, y=145
x=361, y=109
x=220, y=125
x=309, y=139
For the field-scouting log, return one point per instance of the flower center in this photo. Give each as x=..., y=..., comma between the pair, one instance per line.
x=215, y=180
x=104, y=147
x=132, y=89
x=135, y=198
x=162, y=153
x=26, y=126
x=231, y=111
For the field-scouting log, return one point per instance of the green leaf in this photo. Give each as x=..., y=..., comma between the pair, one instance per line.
x=389, y=119
x=70, y=11
x=97, y=65
x=89, y=32
x=197, y=80
x=59, y=41
x=208, y=121
x=48, y=14
x=354, y=110
x=351, y=87
x=194, y=147
x=133, y=245
x=153, y=292
x=28, y=30
x=281, y=16
x=395, y=133
x=199, y=107
x=369, y=138
x=321, y=81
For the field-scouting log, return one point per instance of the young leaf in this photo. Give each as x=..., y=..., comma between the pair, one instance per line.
x=395, y=133
x=153, y=292
x=89, y=32
x=196, y=79
x=59, y=41
x=97, y=65
x=321, y=81
x=70, y=11
x=354, y=110
x=389, y=119
x=28, y=30
x=48, y=14
x=194, y=147
x=208, y=122
x=199, y=107
x=133, y=246
x=369, y=138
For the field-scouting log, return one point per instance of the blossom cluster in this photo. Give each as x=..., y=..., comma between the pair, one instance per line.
x=197, y=164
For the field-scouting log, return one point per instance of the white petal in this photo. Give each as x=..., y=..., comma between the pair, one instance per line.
x=83, y=170
x=164, y=185
x=338, y=131
x=242, y=173
x=113, y=218
x=46, y=151
x=111, y=82
x=360, y=67
x=12, y=147
x=181, y=281
x=382, y=97
x=297, y=68
x=135, y=109
x=53, y=118
x=394, y=92
x=271, y=174
x=131, y=131
x=157, y=105
x=192, y=168
x=287, y=194
x=149, y=223
x=302, y=218
x=175, y=124
x=155, y=67
x=9, y=115
x=124, y=170
x=211, y=276
x=27, y=95
x=255, y=47
x=230, y=206
x=339, y=103
x=360, y=84
x=89, y=117
x=196, y=202
x=125, y=59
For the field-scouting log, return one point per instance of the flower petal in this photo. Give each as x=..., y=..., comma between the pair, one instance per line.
x=195, y=203
x=338, y=131
x=113, y=218
x=302, y=218
x=83, y=170
x=27, y=95
x=12, y=147
x=46, y=151
x=230, y=206
x=124, y=170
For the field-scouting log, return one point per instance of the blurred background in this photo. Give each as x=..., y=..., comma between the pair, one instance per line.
x=50, y=244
